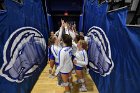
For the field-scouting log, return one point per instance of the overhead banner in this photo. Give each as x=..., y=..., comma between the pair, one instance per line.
x=23, y=40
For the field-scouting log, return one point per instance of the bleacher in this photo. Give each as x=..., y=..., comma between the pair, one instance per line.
x=133, y=17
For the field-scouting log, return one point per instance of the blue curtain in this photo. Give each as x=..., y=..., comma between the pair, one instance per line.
x=81, y=23
x=23, y=49
x=93, y=14
x=114, y=38
x=50, y=22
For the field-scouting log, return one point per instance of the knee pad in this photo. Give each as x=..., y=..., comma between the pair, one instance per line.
x=50, y=69
x=81, y=80
x=65, y=84
x=67, y=92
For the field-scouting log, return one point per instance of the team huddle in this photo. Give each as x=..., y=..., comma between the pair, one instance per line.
x=67, y=51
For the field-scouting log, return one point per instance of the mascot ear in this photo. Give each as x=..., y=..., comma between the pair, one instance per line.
x=99, y=52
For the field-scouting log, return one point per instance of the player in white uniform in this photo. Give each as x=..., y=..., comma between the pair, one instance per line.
x=65, y=62
x=67, y=30
x=74, y=43
x=51, y=59
x=81, y=61
x=55, y=48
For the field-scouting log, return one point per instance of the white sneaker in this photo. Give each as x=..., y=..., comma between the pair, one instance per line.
x=60, y=85
x=51, y=76
x=71, y=86
x=73, y=72
x=77, y=82
x=67, y=92
x=83, y=89
x=87, y=71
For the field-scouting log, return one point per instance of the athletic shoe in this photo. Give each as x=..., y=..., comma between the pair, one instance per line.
x=71, y=86
x=83, y=89
x=60, y=85
x=51, y=76
x=77, y=82
x=67, y=92
x=87, y=71
x=73, y=72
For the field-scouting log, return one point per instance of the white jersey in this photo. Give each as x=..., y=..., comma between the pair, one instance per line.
x=71, y=33
x=81, y=58
x=74, y=48
x=55, y=51
x=65, y=61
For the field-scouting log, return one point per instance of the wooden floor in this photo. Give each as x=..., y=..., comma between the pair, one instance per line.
x=47, y=85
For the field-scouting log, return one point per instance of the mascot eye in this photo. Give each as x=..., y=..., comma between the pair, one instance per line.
x=95, y=36
x=27, y=34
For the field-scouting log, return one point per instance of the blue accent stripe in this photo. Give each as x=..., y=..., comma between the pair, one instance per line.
x=67, y=48
x=83, y=55
x=59, y=57
x=54, y=50
x=48, y=51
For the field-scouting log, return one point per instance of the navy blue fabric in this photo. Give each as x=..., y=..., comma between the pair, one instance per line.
x=34, y=16
x=125, y=52
x=93, y=14
x=90, y=14
x=80, y=23
x=50, y=22
x=78, y=68
x=29, y=15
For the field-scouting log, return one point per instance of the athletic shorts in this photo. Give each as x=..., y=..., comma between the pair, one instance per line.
x=64, y=73
x=78, y=68
x=73, y=57
x=56, y=64
x=51, y=57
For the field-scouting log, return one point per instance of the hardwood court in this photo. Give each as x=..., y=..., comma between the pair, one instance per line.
x=47, y=85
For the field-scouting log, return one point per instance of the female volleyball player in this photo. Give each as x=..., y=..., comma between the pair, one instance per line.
x=51, y=59
x=55, y=48
x=80, y=61
x=65, y=58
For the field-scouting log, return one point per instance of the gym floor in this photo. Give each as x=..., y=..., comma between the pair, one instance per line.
x=48, y=85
